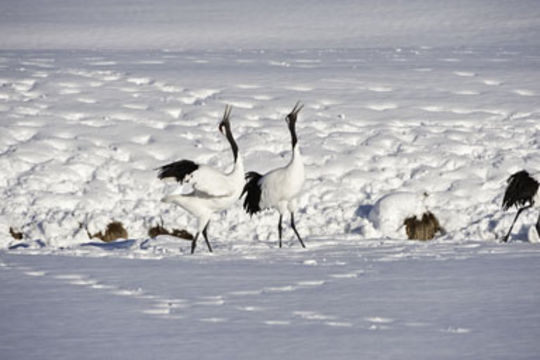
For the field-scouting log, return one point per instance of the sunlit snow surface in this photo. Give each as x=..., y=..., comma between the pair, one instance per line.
x=82, y=132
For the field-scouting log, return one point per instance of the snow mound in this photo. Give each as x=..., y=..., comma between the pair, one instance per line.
x=389, y=212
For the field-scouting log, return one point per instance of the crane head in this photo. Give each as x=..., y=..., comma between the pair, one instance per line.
x=225, y=123
x=291, y=117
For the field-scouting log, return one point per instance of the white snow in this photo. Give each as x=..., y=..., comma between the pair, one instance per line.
x=401, y=99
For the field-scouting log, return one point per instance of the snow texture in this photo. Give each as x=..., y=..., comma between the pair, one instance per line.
x=402, y=99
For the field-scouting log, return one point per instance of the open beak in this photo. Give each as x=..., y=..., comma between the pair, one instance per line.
x=294, y=112
x=299, y=106
x=225, y=120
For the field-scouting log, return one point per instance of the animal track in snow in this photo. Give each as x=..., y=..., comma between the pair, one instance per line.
x=140, y=80
x=168, y=88
x=29, y=111
x=277, y=322
x=149, y=62
x=382, y=106
x=338, y=324
x=211, y=301
x=380, y=88
x=299, y=88
x=464, y=73
x=279, y=289
x=456, y=330
x=379, y=320
x=175, y=113
x=492, y=82
x=312, y=315
x=351, y=275
x=87, y=100
x=311, y=283
x=379, y=323
x=262, y=97
x=69, y=91
x=102, y=63
x=247, y=86
x=466, y=92
x=524, y=92
x=250, y=308
x=24, y=85
x=35, y=273
x=214, y=320
x=136, y=106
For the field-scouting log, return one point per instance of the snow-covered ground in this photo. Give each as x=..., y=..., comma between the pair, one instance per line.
x=401, y=99
x=82, y=135
x=364, y=301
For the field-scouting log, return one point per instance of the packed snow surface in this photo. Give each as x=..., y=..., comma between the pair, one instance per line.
x=82, y=135
x=256, y=24
x=409, y=106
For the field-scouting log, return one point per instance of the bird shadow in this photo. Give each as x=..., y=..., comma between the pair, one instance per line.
x=116, y=245
x=363, y=210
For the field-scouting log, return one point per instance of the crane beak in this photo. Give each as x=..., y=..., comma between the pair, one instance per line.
x=299, y=106
x=294, y=112
x=225, y=120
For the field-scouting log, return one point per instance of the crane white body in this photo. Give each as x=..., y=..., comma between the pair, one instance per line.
x=279, y=188
x=213, y=190
x=274, y=194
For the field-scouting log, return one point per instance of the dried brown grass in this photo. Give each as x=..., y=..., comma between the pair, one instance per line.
x=424, y=229
x=16, y=234
x=115, y=230
x=158, y=229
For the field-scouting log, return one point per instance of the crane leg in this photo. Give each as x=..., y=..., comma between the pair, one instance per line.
x=280, y=229
x=194, y=243
x=505, y=238
x=538, y=226
x=206, y=237
x=295, y=231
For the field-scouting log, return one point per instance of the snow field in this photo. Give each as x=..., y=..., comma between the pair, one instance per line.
x=81, y=135
x=412, y=301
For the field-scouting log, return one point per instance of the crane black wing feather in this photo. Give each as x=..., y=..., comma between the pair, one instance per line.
x=521, y=189
x=252, y=189
x=178, y=170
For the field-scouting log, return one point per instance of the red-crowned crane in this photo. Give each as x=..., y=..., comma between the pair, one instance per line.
x=522, y=189
x=280, y=187
x=213, y=190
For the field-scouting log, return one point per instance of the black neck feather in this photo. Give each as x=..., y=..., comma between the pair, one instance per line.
x=292, y=129
x=230, y=138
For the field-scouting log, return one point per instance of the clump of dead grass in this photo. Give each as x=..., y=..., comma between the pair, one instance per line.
x=422, y=229
x=17, y=235
x=115, y=230
x=159, y=229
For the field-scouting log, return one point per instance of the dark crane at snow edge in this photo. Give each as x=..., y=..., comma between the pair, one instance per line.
x=522, y=189
x=213, y=190
x=280, y=187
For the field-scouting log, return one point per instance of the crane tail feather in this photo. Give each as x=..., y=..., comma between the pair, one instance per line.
x=521, y=189
x=177, y=170
x=252, y=189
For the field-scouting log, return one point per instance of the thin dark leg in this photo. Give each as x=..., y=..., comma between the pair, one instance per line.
x=295, y=231
x=280, y=229
x=194, y=243
x=206, y=237
x=505, y=238
x=538, y=226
